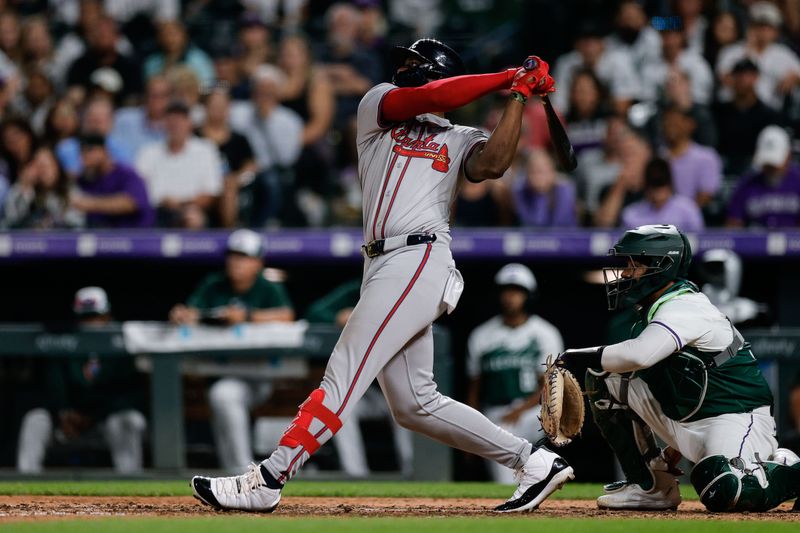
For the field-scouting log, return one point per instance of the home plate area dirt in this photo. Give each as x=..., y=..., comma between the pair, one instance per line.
x=26, y=508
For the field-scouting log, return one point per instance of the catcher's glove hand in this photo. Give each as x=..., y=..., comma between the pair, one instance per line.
x=562, y=404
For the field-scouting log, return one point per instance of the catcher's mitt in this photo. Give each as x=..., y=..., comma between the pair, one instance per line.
x=562, y=404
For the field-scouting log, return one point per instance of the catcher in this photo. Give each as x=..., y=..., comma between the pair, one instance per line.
x=687, y=375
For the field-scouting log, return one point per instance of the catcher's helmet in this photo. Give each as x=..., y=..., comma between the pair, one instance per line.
x=663, y=250
x=437, y=61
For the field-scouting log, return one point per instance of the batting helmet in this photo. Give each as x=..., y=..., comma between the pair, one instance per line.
x=437, y=61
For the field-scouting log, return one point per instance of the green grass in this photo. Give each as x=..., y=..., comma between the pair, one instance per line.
x=516, y=524
x=377, y=489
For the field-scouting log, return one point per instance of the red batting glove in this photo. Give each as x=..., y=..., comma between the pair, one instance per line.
x=536, y=81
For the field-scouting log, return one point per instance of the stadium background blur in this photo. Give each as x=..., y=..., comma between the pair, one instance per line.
x=271, y=87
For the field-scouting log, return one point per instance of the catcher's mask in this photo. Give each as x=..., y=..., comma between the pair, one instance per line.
x=653, y=257
x=436, y=61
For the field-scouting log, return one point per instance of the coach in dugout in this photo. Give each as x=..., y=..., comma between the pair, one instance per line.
x=239, y=294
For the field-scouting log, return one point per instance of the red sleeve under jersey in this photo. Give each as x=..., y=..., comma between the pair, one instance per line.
x=441, y=96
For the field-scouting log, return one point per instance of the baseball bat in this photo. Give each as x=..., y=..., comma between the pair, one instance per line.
x=558, y=135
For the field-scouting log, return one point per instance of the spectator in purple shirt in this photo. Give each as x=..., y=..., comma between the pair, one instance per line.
x=696, y=169
x=769, y=197
x=542, y=197
x=112, y=195
x=660, y=204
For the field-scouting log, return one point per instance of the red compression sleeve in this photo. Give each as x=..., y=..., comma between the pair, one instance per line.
x=441, y=95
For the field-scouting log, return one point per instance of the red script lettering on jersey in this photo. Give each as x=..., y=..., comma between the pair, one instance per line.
x=408, y=146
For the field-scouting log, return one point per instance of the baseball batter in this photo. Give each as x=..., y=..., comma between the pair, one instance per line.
x=410, y=161
x=688, y=376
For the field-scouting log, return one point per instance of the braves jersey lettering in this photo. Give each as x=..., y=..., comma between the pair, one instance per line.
x=409, y=172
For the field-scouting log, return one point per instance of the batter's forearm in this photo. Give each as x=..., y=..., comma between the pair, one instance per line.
x=492, y=161
x=441, y=96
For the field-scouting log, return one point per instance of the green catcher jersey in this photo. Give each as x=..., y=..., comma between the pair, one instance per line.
x=509, y=360
x=687, y=384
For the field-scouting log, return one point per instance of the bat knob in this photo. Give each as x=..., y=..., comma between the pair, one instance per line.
x=530, y=64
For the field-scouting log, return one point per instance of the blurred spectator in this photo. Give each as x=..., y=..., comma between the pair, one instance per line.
x=778, y=65
x=351, y=70
x=632, y=155
x=185, y=87
x=228, y=73
x=5, y=99
x=37, y=49
x=238, y=165
x=17, y=146
x=61, y=123
x=587, y=120
x=40, y=197
x=694, y=22
x=284, y=14
x=239, y=294
x=483, y=204
x=660, y=204
x=112, y=195
x=373, y=31
x=721, y=271
x=674, y=55
x=634, y=34
x=724, y=30
x=506, y=355
x=136, y=126
x=88, y=395
x=614, y=67
x=308, y=93
x=35, y=100
x=73, y=45
x=175, y=49
x=542, y=197
x=183, y=174
x=255, y=44
x=98, y=117
x=696, y=169
x=275, y=134
x=156, y=10
x=742, y=119
x=10, y=38
x=770, y=196
x=102, y=53
x=677, y=92
x=408, y=14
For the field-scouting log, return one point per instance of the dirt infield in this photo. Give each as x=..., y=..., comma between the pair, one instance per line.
x=27, y=508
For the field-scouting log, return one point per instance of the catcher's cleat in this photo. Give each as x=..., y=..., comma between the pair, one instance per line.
x=665, y=495
x=785, y=457
x=542, y=474
x=255, y=491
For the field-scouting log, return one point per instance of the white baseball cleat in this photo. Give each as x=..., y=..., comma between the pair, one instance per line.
x=542, y=474
x=248, y=492
x=664, y=495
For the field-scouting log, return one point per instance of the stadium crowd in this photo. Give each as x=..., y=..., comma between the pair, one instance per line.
x=241, y=113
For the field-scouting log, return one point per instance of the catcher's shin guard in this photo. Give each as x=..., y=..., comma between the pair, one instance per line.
x=628, y=436
x=729, y=485
x=298, y=434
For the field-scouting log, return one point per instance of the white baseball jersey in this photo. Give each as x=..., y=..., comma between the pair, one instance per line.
x=409, y=171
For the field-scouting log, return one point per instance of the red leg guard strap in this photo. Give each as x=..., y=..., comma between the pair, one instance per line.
x=298, y=434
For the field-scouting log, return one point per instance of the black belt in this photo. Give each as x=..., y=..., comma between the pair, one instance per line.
x=382, y=246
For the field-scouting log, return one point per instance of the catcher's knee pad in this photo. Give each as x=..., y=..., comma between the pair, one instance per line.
x=298, y=433
x=718, y=484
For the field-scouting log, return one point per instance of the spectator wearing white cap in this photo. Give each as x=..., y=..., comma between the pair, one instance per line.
x=770, y=196
x=239, y=294
x=505, y=359
x=88, y=397
x=778, y=65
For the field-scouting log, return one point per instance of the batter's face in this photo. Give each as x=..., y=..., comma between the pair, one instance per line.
x=512, y=300
x=410, y=63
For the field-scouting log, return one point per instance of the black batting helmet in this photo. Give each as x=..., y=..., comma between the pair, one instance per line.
x=437, y=61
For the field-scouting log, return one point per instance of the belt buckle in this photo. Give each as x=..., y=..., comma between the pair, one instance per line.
x=373, y=249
